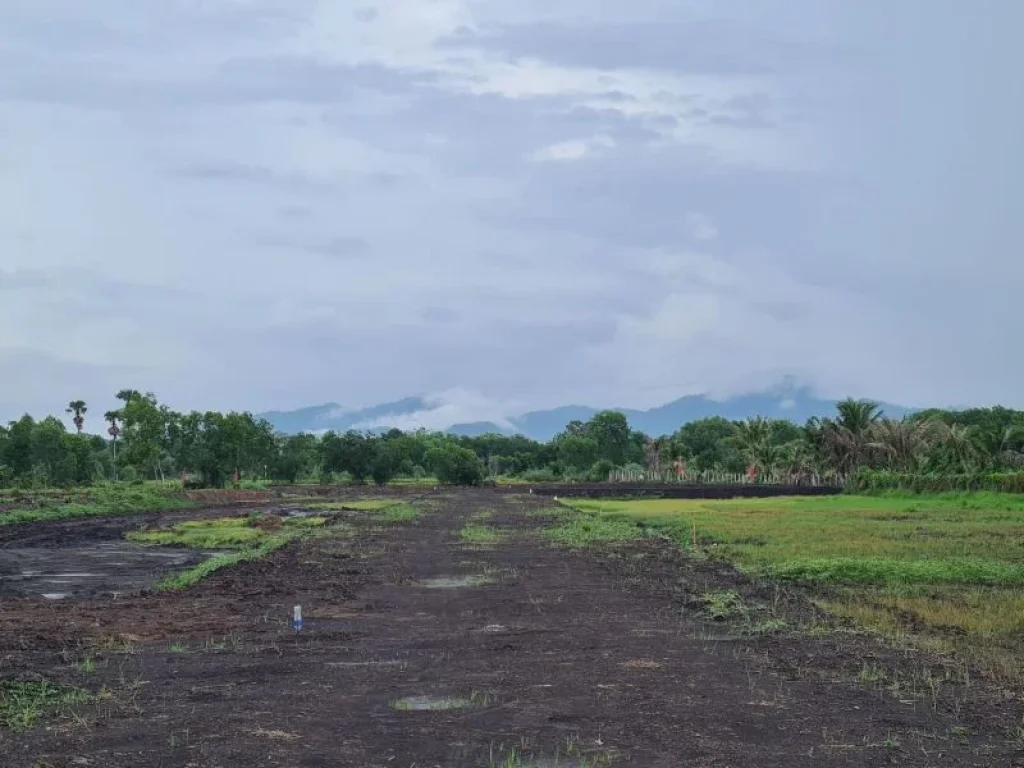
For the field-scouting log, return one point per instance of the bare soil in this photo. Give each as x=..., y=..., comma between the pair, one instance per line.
x=418, y=650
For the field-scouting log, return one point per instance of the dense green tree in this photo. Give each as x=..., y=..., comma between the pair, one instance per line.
x=454, y=465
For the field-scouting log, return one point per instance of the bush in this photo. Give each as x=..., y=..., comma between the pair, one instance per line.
x=455, y=465
x=545, y=475
x=600, y=471
x=868, y=480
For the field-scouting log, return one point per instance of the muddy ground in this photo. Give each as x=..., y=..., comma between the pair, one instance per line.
x=590, y=658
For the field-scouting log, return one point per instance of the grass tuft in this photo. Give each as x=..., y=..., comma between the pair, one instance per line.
x=23, y=704
x=479, y=535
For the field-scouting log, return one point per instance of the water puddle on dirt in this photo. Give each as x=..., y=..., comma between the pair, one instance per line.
x=455, y=582
x=108, y=568
x=440, y=703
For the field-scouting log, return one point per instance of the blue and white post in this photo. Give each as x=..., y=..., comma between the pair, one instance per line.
x=297, y=618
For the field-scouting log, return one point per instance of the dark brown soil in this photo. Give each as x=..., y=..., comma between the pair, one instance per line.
x=605, y=655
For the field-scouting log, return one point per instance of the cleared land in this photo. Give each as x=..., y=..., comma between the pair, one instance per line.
x=467, y=629
x=938, y=573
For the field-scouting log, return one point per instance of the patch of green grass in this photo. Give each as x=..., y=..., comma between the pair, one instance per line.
x=397, y=515
x=222, y=533
x=23, y=704
x=242, y=534
x=880, y=570
x=96, y=501
x=479, y=535
x=941, y=572
x=723, y=604
x=364, y=505
x=192, y=576
x=476, y=700
x=577, y=529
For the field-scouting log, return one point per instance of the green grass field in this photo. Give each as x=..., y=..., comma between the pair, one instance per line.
x=942, y=571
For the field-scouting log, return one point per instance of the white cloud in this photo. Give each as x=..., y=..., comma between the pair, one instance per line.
x=446, y=409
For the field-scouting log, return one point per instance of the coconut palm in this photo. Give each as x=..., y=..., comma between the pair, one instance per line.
x=907, y=441
x=852, y=432
x=749, y=436
x=78, y=408
x=959, y=441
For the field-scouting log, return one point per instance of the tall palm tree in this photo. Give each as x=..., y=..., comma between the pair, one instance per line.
x=78, y=408
x=906, y=441
x=852, y=432
x=114, y=430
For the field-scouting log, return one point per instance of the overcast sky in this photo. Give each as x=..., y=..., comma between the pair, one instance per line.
x=272, y=203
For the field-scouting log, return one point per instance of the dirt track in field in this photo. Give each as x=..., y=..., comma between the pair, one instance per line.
x=601, y=656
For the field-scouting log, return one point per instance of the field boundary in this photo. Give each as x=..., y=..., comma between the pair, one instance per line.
x=676, y=490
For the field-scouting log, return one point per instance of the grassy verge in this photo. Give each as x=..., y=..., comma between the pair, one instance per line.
x=99, y=501
x=23, y=704
x=192, y=576
x=940, y=572
x=361, y=505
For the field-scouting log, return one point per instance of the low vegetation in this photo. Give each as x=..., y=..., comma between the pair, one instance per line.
x=943, y=572
x=22, y=704
x=251, y=537
x=476, y=534
x=225, y=533
x=95, y=501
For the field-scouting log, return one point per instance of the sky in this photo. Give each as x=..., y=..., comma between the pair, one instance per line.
x=257, y=204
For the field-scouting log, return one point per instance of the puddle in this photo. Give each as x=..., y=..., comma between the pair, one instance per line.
x=455, y=582
x=104, y=569
x=440, y=703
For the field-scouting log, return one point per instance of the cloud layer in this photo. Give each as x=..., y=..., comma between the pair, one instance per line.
x=272, y=203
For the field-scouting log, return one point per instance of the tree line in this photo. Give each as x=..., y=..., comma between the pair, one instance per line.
x=145, y=439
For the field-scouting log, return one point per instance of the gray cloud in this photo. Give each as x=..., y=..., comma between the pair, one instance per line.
x=703, y=47
x=534, y=202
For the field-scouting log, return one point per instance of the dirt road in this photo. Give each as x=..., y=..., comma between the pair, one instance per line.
x=421, y=650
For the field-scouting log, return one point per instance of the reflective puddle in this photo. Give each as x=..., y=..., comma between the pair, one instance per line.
x=108, y=568
x=455, y=582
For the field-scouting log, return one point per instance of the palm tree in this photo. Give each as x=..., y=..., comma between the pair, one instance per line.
x=127, y=395
x=852, y=431
x=959, y=441
x=112, y=417
x=750, y=435
x=78, y=408
x=906, y=441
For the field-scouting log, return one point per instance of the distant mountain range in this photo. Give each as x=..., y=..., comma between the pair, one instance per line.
x=795, y=404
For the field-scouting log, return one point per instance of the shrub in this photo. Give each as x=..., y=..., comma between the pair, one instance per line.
x=870, y=480
x=600, y=471
x=545, y=475
x=455, y=465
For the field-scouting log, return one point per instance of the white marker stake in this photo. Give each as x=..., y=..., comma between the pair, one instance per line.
x=297, y=618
